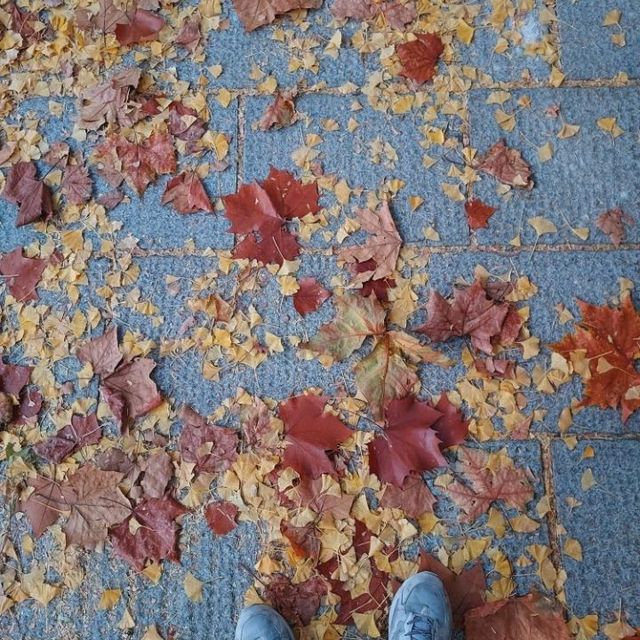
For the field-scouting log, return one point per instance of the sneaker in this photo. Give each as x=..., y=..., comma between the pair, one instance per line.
x=420, y=610
x=260, y=622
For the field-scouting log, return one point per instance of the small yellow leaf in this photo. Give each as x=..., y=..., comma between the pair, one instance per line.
x=542, y=225
x=573, y=549
x=109, y=598
x=193, y=587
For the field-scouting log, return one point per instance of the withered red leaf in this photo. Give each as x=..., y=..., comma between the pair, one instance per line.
x=129, y=391
x=298, y=603
x=212, y=448
x=96, y=503
x=23, y=188
x=21, y=274
x=310, y=432
x=158, y=471
x=281, y=113
x=310, y=296
x=82, y=431
x=44, y=505
x=76, y=184
x=13, y=377
x=414, y=496
x=186, y=192
x=613, y=223
x=142, y=26
x=260, y=210
x=419, y=57
x=534, y=616
x=473, y=313
x=304, y=540
x=102, y=352
x=154, y=535
x=506, y=165
x=221, y=517
x=483, y=486
x=256, y=13
x=466, y=590
x=610, y=341
x=478, y=213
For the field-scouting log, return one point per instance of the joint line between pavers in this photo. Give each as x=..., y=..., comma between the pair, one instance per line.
x=552, y=515
x=213, y=252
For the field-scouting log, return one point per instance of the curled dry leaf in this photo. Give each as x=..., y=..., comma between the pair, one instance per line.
x=382, y=246
x=613, y=223
x=257, y=13
x=142, y=26
x=507, y=165
x=280, y=114
x=186, y=192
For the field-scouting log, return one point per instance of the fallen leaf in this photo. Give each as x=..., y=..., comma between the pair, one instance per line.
x=256, y=13
x=297, y=603
x=32, y=195
x=102, y=352
x=280, y=114
x=419, y=57
x=478, y=213
x=44, y=505
x=613, y=223
x=21, y=275
x=186, y=192
x=382, y=246
x=221, y=517
x=76, y=184
x=310, y=432
x=157, y=536
x=535, y=617
x=82, y=431
x=507, y=166
x=310, y=296
x=142, y=26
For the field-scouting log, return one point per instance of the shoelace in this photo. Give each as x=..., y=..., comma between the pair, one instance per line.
x=421, y=628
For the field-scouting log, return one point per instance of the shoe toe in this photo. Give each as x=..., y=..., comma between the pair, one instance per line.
x=260, y=622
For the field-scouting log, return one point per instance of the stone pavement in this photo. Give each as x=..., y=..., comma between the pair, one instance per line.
x=560, y=60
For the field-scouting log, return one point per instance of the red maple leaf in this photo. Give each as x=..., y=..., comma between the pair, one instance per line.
x=142, y=26
x=420, y=57
x=32, y=195
x=412, y=439
x=221, y=517
x=76, y=184
x=472, y=312
x=466, y=590
x=256, y=13
x=44, y=505
x=304, y=540
x=478, y=213
x=613, y=223
x=212, y=448
x=186, y=192
x=310, y=296
x=609, y=338
x=280, y=114
x=82, y=431
x=137, y=163
x=483, y=486
x=534, y=616
x=154, y=535
x=21, y=275
x=260, y=210
x=298, y=603
x=413, y=497
x=310, y=432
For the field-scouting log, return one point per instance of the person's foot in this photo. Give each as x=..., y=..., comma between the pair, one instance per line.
x=420, y=610
x=260, y=622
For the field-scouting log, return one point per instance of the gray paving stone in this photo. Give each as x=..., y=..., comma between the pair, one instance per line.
x=587, y=51
x=348, y=156
x=605, y=523
x=561, y=277
x=588, y=174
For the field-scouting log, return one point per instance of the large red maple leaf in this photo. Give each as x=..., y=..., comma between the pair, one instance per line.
x=415, y=433
x=260, y=210
x=610, y=341
x=311, y=432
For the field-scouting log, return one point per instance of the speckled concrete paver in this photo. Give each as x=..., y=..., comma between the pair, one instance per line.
x=588, y=174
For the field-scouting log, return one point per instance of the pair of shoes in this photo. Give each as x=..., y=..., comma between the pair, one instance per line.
x=419, y=611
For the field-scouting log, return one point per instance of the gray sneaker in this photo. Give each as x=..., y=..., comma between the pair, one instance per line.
x=260, y=622
x=420, y=610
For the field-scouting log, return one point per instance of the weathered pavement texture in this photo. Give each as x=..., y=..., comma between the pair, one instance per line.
x=588, y=173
